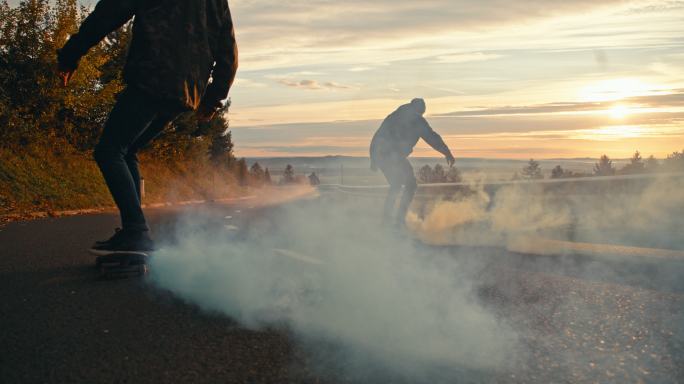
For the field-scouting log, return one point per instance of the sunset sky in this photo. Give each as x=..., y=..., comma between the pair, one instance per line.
x=504, y=79
x=501, y=78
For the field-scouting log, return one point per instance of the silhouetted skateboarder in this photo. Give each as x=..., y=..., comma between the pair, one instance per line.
x=176, y=47
x=393, y=143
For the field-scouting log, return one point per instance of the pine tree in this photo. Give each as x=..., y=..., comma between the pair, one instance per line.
x=267, y=176
x=242, y=171
x=532, y=171
x=221, y=150
x=636, y=165
x=675, y=161
x=257, y=173
x=288, y=175
x=604, y=167
x=652, y=164
x=558, y=172
x=313, y=179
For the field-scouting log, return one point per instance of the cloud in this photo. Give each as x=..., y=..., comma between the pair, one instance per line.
x=312, y=84
x=292, y=33
x=465, y=57
x=675, y=99
x=358, y=20
x=249, y=83
x=667, y=5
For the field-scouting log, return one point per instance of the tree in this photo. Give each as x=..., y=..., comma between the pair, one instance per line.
x=425, y=174
x=454, y=175
x=636, y=165
x=256, y=173
x=558, y=172
x=438, y=174
x=652, y=164
x=288, y=175
x=314, y=180
x=604, y=167
x=221, y=150
x=267, y=176
x=674, y=161
x=532, y=171
x=242, y=171
x=34, y=107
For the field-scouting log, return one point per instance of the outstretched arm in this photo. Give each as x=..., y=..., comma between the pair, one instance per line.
x=435, y=141
x=373, y=166
x=223, y=74
x=107, y=16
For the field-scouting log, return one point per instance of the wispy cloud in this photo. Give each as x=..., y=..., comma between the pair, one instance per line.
x=465, y=57
x=651, y=101
x=313, y=84
x=277, y=34
x=249, y=83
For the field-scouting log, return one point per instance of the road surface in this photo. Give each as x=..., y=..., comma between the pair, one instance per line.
x=60, y=324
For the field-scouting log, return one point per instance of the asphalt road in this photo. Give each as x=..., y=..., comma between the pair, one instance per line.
x=59, y=323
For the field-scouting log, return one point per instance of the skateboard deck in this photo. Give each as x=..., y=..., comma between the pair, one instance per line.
x=122, y=264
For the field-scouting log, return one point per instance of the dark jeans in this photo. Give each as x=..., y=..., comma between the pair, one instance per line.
x=398, y=172
x=136, y=119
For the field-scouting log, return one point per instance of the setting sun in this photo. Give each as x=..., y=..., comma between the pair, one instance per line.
x=619, y=112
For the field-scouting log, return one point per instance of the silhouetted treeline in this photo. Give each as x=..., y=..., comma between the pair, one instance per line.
x=605, y=167
x=429, y=175
x=36, y=110
x=259, y=176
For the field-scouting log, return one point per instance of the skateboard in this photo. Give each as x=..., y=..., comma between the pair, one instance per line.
x=122, y=264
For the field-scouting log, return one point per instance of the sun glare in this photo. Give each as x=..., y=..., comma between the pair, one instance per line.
x=615, y=132
x=616, y=89
x=619, y=112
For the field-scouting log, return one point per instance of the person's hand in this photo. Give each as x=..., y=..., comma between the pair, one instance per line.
x=450, y=160
x=65, y=76
x=65, y=67
x=205, y=114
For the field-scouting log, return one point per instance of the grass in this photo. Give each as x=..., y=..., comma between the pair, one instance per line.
x=39, y=178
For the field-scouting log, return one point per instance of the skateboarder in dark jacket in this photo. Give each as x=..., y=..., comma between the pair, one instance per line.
x=177, y=46
x=393, y=143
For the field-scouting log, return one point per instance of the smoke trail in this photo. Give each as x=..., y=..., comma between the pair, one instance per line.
x=639, y=213
x=331, y=276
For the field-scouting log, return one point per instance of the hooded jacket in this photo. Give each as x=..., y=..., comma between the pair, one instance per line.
x=177, y=46
x=399, y=133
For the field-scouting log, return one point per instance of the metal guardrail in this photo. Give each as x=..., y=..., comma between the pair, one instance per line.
x=430, y=189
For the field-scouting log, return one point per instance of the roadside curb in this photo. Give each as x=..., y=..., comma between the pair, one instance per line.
x=86, y=211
